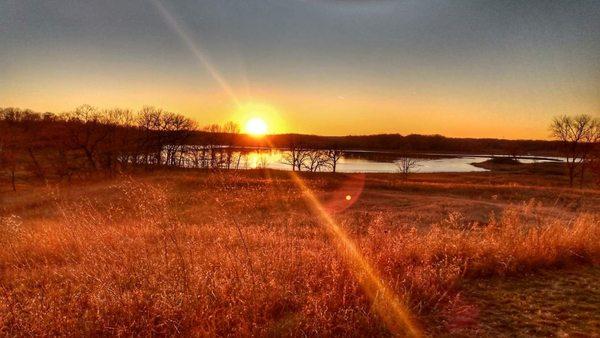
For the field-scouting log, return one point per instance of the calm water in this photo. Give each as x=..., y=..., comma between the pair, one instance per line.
x=371, y=162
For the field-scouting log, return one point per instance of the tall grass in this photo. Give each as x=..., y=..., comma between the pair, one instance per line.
x=132, y=264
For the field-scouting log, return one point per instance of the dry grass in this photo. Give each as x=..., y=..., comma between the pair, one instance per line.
x=242, y=256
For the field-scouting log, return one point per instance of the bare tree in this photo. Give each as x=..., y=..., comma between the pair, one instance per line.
x=213, y=146
x=176, y=130
x=301, y=157
x=18, y=137
x=150, y=142
x=8, y=153
x=334, y=156
x=315, y=160
x=590, y=155
x=231, y=131
x=23, y=129
x=296, y=155
x=120, y=144
x=86, y=130
x=87, y=139
x=164, y=136
x=262, y=162
x=406, y=165
x=578, y=134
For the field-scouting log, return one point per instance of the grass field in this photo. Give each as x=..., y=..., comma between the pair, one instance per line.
x=251, y=253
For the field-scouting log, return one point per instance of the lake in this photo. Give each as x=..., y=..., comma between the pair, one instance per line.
x=380, y=162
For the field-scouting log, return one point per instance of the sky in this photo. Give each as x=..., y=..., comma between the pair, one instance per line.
x=488, y=68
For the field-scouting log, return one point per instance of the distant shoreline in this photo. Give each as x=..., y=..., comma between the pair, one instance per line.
x=418, y=154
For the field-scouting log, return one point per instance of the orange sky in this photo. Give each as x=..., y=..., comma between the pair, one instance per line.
x=322, y=111
x=324, y=67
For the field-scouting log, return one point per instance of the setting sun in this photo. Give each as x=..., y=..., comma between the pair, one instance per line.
x=256, y=126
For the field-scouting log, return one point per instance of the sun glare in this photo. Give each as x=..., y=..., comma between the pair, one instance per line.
x=256, y=126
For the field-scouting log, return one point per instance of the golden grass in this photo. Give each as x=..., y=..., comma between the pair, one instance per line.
x=244, y=257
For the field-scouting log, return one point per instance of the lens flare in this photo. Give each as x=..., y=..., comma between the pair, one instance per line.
x=387, y=304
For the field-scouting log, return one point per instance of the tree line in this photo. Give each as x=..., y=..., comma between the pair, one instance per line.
x=407, y=144
x=90, y=141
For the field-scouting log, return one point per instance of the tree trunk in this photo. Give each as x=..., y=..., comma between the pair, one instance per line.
x=571, y=173
x=581, y=178
x=38, y=169
x=90, y=156
x=13, y=180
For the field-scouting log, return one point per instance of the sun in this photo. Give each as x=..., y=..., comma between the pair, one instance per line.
x=256, y=126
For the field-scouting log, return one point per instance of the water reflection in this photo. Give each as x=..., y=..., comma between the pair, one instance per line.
x=351, y=162
x=375, y=162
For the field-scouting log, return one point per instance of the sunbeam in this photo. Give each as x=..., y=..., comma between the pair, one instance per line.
x=387, y=304
x=195, y=49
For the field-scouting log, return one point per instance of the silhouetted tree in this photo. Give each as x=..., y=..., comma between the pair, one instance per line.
x=177, y=130
x=296, y=155
x=9, y=147
x=86, y=129
x=406, y=165
x=119, y=147
x=578, y=135
x=315, y=160
x=231, y=131
x=334, y=155
x=17, y=142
